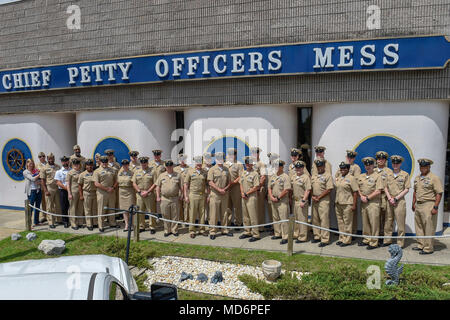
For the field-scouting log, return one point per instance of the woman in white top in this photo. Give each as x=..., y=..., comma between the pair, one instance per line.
x=33, y=188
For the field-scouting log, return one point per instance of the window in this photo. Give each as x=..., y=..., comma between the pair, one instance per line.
x=304, y=117
x=116, y=292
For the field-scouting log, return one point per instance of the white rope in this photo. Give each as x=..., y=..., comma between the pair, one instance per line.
x=79, y=217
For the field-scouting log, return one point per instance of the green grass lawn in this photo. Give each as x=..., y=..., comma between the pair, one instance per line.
x=330, y=278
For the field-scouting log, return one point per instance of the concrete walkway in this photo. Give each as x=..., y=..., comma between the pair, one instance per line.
x=13, y=221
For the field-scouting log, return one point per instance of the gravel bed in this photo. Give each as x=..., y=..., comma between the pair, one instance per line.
x=169, y=268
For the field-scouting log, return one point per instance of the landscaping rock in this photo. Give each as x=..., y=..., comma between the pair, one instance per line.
x=31, y=236
x=15, y=236
x=217, y=277
x=202, y=277
x=52, y=247
x=186, y=276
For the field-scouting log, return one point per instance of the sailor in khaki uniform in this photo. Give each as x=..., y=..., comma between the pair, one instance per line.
x=77, y=155
x=144, y=180
x=158, y=165
x=383, y=170
x=271, y=170
x=301, y=188
x=296, y=154
x=134, y=161
x=207, y=164
x=321, y=187
x=112, y=163
x=345, y=204
x=195, y=188
x=40, y=165
x=279, y=187
x=234, y=200
x=105, y=180
x=182, y=169
x=50, y=189
x=219, y=182
x=168, y=192
x=248, y=185
x=127, y=195
x=75, y=203
x=370, y=185
x=87, y=190
x=260, y=167
x=397, y=186
x=426, y=198
x=320, y=154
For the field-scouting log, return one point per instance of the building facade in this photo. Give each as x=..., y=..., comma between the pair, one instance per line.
x=128, y=74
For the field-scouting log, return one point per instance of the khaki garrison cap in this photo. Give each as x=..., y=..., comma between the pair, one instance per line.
x=89, y=162
x=157, y=151
x=397, y=159
x=295, y=152
x=351, y=153
x=125, y=161
x=41, y=154
x=51, y=155
x=168, y=163
x=368, y=161
x=109, y=151
x=305, y=146
x=64, y=158
x=381, y=155
x=133, y=153
x=219, y=156
x=344, y=165
x=249, y=160
x=319, y=148
x=279, y=162
x=272, y=156
x=319, y=162
x=299, y=164
x=76, y=147
x=104, y=159
x=75, y=161
x=143, y=159
x=425, y=162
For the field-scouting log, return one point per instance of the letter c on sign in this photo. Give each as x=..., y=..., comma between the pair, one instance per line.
x=163, y=73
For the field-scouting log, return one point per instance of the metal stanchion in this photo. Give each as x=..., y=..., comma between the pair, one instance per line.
x=27, y=215
x=136, y=225
x=291, y=234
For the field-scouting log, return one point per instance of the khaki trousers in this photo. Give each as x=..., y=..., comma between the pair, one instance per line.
x=425, y=223
x=53, y=204
x=196, y=212
x=147, y=204
x=250, y=215
x=384, y=204
x=105, y=199
x=90, y=207
x=235, y=203
x=170, y=211
x=280, y=211
x=218, y=211
x=301, y=214
x=321, y=218
x=42, y=215
x=355, y=216
x=371, y=221
x=344, y=215
x=399, y=213
x=261, y=207
x=76, y=209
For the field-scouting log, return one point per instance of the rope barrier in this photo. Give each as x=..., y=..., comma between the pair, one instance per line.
x=79, y=217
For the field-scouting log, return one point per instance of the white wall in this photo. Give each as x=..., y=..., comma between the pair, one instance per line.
x=141, y=130
x=51, y=132
x=422, y=125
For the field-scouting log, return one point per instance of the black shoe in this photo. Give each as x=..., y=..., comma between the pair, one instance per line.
x=167, y=234
x=175, y=234
x=66, y=225
x=315, y=241
x=90, y=228
x=362, y=244
x=229, y=234
x=116, y=226
x=300, y=241
x=81, y=227
x=370, y=247
x=252, y=239
x=101, y=230
x=52, y=226
x=75, y=228
x=338, y=243
x=425, y=252
x=386, y=244
x=212, y=237
x=125, y=230
x=141, y=230
x=323, y=244
x=152, y=231
x=417, y=249
x=284, y=241
x=344, y=244
x=244, y=236
x=275, y=238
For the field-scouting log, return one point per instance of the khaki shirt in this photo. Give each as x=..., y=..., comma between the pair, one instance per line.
x=345, y=187
x=72, y=177
x=183, y=171
x=235, y=169
x=115, y=165
x=354, y=170
x=261, y=168
x=221, y=178
x=196, y=181
x=206, y=167
x=40, y=166
x=134, y=167
x=396, y=184
x=49, y=174
x=249, y=180
x=86, y=181
x=124, y=178
x=82, y=161
x=159, y=167
x=105, y=176
x=320, y=183
x=144, y=179
x=327, y=168
x=384, y=174
x=427, y=187
x=170, y=186
x=300, y=184
x=278, y=184
x=369, y=183
x=292, y=171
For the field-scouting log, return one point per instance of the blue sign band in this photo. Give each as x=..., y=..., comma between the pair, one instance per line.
x=424, y=52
